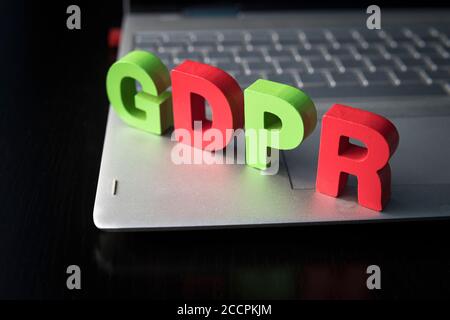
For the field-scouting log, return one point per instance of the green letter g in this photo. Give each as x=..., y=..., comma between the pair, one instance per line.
x=150, y=109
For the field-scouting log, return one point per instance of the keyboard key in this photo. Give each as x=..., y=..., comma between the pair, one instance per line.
x=260, y=35
x=342, y=35
x=349, y=43
x=399, y=51
x=439, y=75
x=148, y=38
x=443, y=29
x=351, y=63
x=196, y=56
x=413, y=63
x=256, y=66
x=397, y=34
x=409, y=76
x=441, y=62
x=220, y=55
x=346, y=78
x=284, y=54
x=204, y=45
x=228, y=66
x=310, y=54
x=317, y=78
x=370, y=35
x=260, y=39
x=423, y=33
x=287, y=35
x=286, y=78
x=261, y=44
x=322, y=64
x=369, y=52
x=178, y=36
x=255, y=55
x=289, y=43
x=340, y=52
x=383, y=63
x=233, y=44
x=205, y=37
x=175, y=46
x=234, y=47
x=292, y=65
x=427, y=51
x=315, y=36
x=438, y=42
x=233, y=36
x=375, y=91
x=377, y=77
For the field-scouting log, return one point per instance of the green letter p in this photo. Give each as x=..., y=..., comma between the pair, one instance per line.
x=276, y=116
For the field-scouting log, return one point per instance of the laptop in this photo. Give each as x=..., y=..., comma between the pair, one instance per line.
x=401, y=71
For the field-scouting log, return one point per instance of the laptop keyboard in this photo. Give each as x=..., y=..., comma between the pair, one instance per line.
x=327, y=63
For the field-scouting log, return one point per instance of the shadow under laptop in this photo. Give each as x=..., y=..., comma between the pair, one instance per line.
x=314, y=262
x=224, y=265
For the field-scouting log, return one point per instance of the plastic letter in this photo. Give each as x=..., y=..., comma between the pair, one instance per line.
x=192, y=84
x=272, y=107
x=338, y=157
x=150, y=109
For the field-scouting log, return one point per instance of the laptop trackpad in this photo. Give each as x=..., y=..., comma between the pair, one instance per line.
x=421, y=157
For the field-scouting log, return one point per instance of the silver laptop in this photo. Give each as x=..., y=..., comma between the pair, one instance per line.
x=401, y=71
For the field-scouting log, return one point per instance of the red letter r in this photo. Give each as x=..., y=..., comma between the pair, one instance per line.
x=338, y=157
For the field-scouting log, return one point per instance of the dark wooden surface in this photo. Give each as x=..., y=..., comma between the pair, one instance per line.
x=52, y=123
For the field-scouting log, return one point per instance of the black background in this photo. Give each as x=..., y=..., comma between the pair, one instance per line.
x=52, y=124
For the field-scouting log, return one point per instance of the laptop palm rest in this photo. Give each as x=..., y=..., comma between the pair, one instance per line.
x=140, y=187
